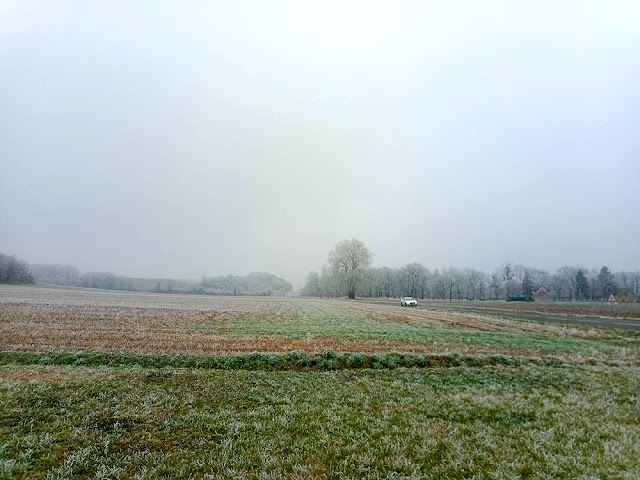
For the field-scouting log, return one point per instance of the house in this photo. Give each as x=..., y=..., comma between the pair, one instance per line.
x=542, y=295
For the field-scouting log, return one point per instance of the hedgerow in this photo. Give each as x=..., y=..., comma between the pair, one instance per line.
x=296, y=360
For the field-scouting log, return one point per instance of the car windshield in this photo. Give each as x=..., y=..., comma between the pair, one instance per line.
x=408, y=298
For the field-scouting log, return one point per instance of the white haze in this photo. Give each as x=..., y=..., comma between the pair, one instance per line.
x=180, y=139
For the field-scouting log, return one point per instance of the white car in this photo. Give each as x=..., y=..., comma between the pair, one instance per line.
x=409, y=302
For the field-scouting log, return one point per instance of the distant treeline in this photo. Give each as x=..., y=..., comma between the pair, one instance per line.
x=13, y=270
x=252, y=284
x=508, y=282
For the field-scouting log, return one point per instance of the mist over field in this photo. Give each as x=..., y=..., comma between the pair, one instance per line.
x=179, y=140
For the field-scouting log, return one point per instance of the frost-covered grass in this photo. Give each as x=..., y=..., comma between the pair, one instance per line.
x=527, y=421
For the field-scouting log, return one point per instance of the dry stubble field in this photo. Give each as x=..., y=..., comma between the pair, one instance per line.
x=70, y=320
x=92, y=385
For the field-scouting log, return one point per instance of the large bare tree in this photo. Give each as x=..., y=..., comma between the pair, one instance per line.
x=349, y=259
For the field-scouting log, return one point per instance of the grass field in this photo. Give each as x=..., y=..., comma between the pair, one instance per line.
x=115, y=385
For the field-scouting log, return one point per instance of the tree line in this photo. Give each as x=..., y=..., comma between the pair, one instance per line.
x=251, y=284
x=14, y=270
x=342, y=277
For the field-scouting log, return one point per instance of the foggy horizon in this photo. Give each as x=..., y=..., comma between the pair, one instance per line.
x=189, y=140
x=498, y=267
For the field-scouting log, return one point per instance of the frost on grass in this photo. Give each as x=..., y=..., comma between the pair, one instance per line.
x=495, y=422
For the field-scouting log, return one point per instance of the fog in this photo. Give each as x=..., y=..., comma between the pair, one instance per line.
x=181, y=139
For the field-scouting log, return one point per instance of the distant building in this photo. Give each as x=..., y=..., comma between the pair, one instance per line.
x=542, y=295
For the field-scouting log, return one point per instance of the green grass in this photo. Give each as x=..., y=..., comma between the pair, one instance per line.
x=523, y=421
x=310, y=321
x=298, y=361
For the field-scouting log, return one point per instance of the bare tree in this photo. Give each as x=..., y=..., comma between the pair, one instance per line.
x=424, y=282
x=412, y=279
x=384, y=282
x=349, y=259
x=563, y=283
x=518, y=272
x=312, y=285
x=495, y=285
x=475, y=284
x=367, y=284
x=449, y=282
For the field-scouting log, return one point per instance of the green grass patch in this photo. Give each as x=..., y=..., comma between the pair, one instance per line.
x=525, y=421
x=310, y=321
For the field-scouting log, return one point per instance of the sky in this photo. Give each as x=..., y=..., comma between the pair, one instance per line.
x=181, y=139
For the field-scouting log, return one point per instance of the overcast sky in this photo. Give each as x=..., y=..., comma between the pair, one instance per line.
x=181, y=139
